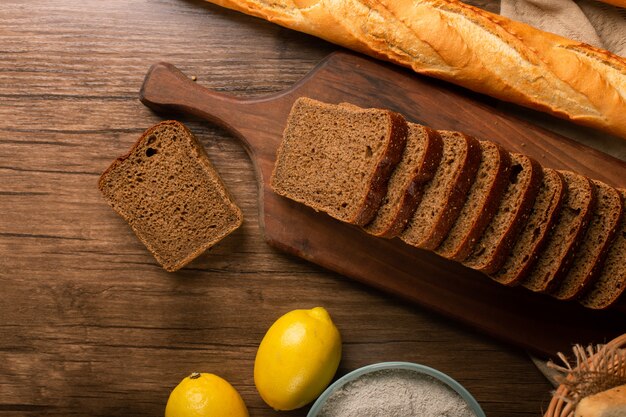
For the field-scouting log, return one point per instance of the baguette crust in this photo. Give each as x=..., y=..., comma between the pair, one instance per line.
x=611, y=402
x=462, y=44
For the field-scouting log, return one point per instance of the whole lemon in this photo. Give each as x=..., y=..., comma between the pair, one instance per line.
x=297, y=358
x=205, y=395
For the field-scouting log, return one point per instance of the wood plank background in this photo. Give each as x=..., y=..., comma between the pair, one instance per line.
x=89, y=323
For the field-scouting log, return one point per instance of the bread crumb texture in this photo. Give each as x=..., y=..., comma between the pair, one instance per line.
x=331, y=156
x=561, y=246
x=497, y=212
x=611, y=282
x=171, y=195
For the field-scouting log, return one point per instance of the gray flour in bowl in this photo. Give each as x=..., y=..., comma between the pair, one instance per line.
x=395, y=393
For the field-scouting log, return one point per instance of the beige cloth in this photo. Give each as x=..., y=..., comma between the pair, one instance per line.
x=588, y=21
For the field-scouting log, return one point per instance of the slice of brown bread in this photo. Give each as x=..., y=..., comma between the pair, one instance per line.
x=607, y=213
x=419, y=163
x=445, y=194
x=489, y=253
x=570, y=226
x=610, y=283
x=171, y=196
x=535, y=231
x=483, y=199
x=337, y=159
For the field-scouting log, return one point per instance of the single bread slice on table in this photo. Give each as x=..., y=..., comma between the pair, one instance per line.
x=338, y=159
x=419, y=163
x=481, y=203
x=489, y=253
x=565, y=237
x=445, y=194
x=607, y=214
x=610, y=283
x=171, y=195
x=537, y=228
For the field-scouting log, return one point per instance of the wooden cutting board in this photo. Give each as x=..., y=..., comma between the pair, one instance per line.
x=535, y=322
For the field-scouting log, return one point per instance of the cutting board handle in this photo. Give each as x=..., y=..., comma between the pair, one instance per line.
x=166, y=87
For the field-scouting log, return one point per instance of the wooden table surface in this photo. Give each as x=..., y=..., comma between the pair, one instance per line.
x=89, y=323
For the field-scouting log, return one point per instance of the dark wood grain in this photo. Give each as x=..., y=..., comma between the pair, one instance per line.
x=89, y=324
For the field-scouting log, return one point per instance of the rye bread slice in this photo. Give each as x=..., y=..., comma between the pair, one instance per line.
x=445, y=194
x=171, y=196
x=417, y=167
x=610, y=283
x=533, y=236
x=606, y=217
x=337, y=159
x=490, y=251
x=570, y=227
x=483, y=199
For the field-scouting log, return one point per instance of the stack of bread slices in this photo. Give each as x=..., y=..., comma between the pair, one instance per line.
x=469, y=200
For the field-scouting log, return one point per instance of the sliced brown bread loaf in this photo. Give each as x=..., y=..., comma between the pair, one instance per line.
x=445, y=194
x=610, y=283
x=570, y=226
x=483, y=199
x=607, y=213
x=337, y=159
x=535, y=231
x=417, y=167
x=170, y=195
x=490, y=251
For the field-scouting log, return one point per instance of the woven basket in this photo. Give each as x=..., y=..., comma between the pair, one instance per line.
x=561, y=408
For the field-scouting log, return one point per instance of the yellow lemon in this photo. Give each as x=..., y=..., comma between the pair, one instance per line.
x=205, y=395
x=297, y=358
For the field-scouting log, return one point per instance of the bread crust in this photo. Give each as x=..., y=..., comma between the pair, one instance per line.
x=507, y=239
x=514, y=279
x=610, y=280
x=201, y=157
x=566, y=263
x=465, y=45
x=458, y=194
x=486, y=213
x=548, y=284
x=411, y=196
x=376, y=181
x=387, y=162
x=457, y=189
x=611, y=402
x=601, y=248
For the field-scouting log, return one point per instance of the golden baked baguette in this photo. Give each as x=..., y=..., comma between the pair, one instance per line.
x=470, y=47
x=610, y=403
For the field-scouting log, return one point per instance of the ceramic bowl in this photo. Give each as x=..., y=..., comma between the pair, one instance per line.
x=440, y=376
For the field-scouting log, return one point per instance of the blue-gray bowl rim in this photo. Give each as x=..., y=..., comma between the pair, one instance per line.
x=440, y=376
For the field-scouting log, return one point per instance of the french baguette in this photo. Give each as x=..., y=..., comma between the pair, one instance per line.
x=610, y=403
x=462, y=44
